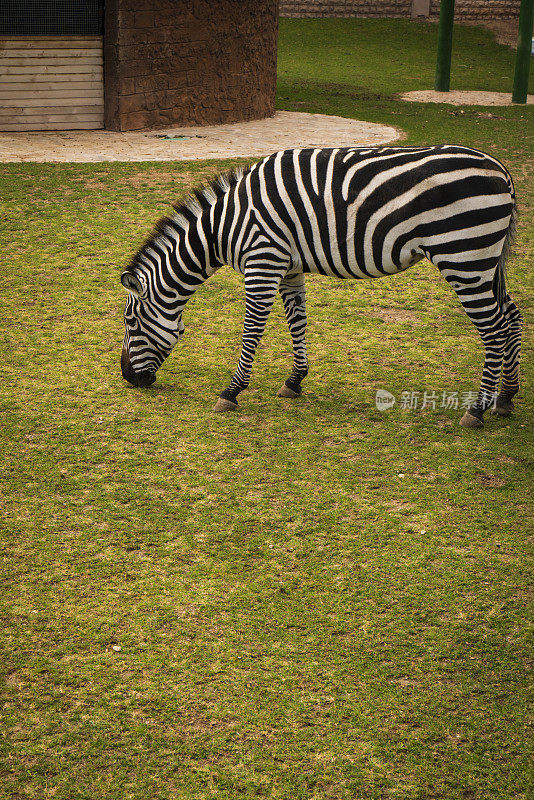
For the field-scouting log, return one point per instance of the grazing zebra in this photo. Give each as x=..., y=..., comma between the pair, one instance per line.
x=346, y=212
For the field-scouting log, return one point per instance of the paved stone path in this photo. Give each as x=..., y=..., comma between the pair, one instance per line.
x=258, y=138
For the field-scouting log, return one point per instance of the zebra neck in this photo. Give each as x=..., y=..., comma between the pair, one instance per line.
x=189, y=263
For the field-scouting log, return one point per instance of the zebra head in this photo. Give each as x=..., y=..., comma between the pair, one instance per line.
x=152, y=330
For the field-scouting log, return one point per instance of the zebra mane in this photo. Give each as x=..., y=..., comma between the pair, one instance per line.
x=188, y=208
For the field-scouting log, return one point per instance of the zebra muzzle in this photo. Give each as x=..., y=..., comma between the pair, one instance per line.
x=139, y=379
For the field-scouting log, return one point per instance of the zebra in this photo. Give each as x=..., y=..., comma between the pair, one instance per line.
x=347, y=212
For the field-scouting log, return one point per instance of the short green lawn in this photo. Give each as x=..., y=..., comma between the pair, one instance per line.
x=304, y=600
x=381, y=56
x=358, y=67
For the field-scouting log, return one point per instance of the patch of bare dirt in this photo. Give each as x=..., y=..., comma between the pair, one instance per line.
x=161, y=177
x=490, y=481
x=504, y=30
x=395, y=315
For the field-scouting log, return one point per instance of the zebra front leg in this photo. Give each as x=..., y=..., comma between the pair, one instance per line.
x=261, y=286
x=293, y=292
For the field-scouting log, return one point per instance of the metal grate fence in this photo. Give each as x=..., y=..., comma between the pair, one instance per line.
x=51, y=17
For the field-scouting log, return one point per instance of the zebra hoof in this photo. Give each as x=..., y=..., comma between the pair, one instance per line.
x=469, y=421
x=223, y=404
x=503, y=410
x=285, y=391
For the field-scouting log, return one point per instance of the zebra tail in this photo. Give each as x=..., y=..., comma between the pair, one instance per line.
x=499, y=280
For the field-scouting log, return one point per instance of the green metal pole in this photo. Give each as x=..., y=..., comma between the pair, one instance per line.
x=522, y=59
x=443, y=65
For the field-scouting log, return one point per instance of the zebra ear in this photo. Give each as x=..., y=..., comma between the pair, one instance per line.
x=131, y=282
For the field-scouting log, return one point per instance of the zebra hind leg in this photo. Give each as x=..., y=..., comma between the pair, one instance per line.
x=293, y=292
x=482, y=308
x=510, y=371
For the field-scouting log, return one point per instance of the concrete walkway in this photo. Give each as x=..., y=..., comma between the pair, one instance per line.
x=244, y=139
x=465, y=98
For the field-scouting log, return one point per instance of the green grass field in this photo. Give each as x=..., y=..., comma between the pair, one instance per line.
x=303, y=600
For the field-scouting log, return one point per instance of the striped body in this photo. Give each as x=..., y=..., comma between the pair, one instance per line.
x=345, y=213
x=361, y=213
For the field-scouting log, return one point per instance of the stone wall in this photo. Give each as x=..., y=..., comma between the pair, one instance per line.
x=464, y=9
x=188, y=62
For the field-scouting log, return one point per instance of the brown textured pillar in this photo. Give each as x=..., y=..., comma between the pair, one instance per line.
x=188, y=62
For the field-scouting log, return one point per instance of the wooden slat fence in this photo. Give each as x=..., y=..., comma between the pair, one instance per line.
x=51, y=83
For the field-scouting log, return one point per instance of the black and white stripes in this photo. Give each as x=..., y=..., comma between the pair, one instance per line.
x=346, y=213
